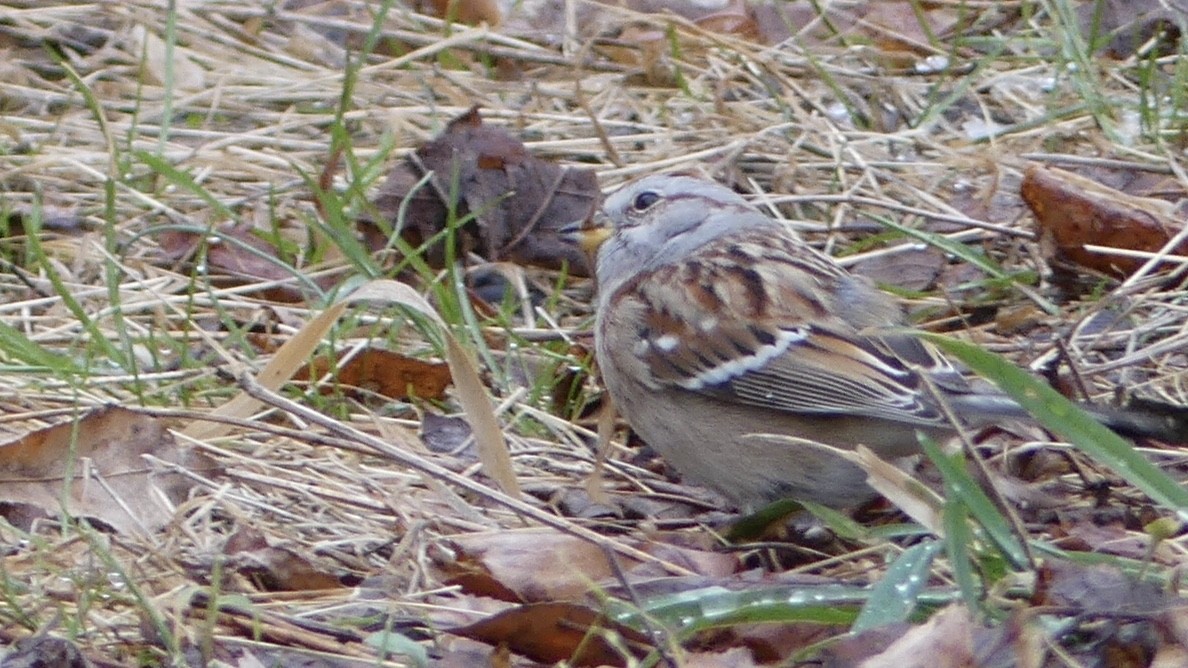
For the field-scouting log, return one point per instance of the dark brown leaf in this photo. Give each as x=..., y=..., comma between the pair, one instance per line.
x=448, y=434
x=913, y=269
x=1119, y=27
x=43, y=651
x=518, y=201
x=239, y=255
x=275, y=568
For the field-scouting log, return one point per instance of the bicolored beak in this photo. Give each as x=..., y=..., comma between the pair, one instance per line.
x=588, y=234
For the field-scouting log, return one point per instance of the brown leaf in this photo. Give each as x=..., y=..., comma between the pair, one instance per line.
x=1080, y=534
x=736, y=18
x=913, y=269
x=756, y=20
x=448, y=434
x=51, y=219
x=470, y=12
x=45, y=650
x=1097, y=589
x=383, y=372
x=552, y=632
x=532, y=565
x=275, y=568
x=234, y=250
x=945, y=641
x=101, y=459
x=545, y=565
x=518, y=201
x=1073, y=211
x=1120, y=27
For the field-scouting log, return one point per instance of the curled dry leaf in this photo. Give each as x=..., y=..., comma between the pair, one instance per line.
x=517, y=201
x=103, y=460
x=532, y=565
x=1073, y=211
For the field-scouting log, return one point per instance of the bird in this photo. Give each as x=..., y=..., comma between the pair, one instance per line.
x=719, y=333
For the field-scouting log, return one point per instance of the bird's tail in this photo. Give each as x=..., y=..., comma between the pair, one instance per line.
x=1141, y=418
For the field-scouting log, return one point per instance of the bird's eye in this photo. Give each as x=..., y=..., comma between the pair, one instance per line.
x=645, y=200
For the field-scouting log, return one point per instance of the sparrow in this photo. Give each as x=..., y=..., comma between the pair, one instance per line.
x=719, y=333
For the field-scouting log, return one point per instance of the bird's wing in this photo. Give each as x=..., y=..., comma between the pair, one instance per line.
x=757, y=320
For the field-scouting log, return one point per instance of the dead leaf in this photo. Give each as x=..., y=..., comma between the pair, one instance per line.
x=1097, y=589
x=470, y=12
x=907, y=25
x=1073, y=211
x=178, y=66
x=552, y=632
x=736, y=18
x=64, y=220
x=1119, y=27
x=1079, y=533
x=536, y=565
x=235, y=250
x=383, y=372
x=45, y=650
x=448, y=434
x=944, y=641
x=101, y=459
x=766, y=644
x=275, y=568
x=912, y=269
x=518, y=201
x=532, y=565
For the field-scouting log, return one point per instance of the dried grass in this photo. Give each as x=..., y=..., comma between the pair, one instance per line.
x=254, y=95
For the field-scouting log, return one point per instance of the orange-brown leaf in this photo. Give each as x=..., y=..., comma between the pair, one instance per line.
x=551, y=632
x=386, y=373
x=1073, y=211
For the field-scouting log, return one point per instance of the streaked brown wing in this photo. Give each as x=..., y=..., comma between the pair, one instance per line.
x=759, y=328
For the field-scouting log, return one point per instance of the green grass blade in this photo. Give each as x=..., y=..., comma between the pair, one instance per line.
x=1066, y=419
x=959, y=484
x=20, y=347
x=895, y=597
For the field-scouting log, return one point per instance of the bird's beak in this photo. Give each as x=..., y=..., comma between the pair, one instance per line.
x=588, y=234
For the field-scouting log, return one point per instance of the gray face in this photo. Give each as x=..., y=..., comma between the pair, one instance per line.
x=662, y=219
